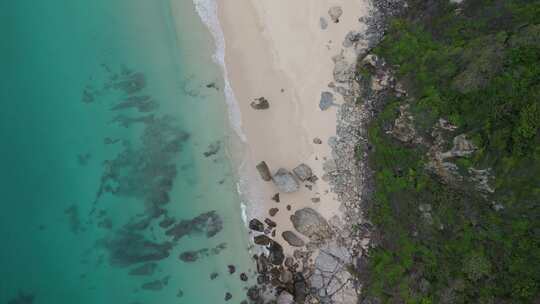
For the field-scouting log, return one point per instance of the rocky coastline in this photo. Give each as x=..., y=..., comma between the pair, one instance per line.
x=328, y=267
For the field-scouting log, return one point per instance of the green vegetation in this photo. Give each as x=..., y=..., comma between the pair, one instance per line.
x=478, y=66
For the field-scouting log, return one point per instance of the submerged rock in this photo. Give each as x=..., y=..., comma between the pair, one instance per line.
x=208, y=223
x=285, y=181
x=127, y=248
x=292, y=239
x=144, y=270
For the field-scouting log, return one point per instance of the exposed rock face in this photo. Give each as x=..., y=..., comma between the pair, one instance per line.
x=310, y=223
x=292, y=239
x=403, y=129
x=256, y=225
x=264, y=171
x=260, y=103
x=303, y=172
x=335, y=12
x=285, y=181
x=327, y=100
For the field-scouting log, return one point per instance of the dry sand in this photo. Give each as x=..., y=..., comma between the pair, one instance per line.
x=277, y=49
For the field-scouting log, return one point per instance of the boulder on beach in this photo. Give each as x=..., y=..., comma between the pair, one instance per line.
x=303, y=172
x=264, y=171
x=335, y=12
x=256, y=225
x=262, y=240
x=327, y=100
x=293, y=239
x=323, y=23
x=310, y=223
x=260, y=103
x=285, y=181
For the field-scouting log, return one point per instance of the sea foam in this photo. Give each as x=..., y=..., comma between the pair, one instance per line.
x=208, y=12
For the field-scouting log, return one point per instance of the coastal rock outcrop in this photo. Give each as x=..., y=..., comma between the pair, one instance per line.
x=310, y=223
x=285, y=181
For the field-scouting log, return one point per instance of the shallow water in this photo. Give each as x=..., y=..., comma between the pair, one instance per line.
x=111, y=122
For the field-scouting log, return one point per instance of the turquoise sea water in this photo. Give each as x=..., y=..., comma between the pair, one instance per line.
x=113, y=132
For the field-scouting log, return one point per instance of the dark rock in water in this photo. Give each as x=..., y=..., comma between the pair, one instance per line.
x=127, y=248
x=244, y=302
x=270, y=223
x=209, y=223
x=261, y=279
x=74, y=219
x=189, y=256
x=105, y=223
x=275, y=255
x=231, y=268
x=153, y=286
x=83, y=158
x=243, y=276
x=23, y=298
x=213, y=149
x=262, y=239
x=273, y=233
x=166, y=222
x=262, y=264
x=303, y=172
x=273, y=211
x=253, y=293
x=260, y=103
x=213, y=275
x=180, y=293
x=327, y=100
x=256, y=225
x=275, y=198
x=141, y=103
x=144, y=270
x=285, y=181
x=264, y=171
x=228, y=296
x=292, y=239
x=212, y=85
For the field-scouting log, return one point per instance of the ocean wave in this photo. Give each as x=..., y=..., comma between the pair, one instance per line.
x=208, y=12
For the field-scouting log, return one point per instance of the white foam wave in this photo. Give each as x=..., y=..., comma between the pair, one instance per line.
x=208, y=12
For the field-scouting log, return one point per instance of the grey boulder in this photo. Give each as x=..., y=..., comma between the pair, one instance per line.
x=285, y=181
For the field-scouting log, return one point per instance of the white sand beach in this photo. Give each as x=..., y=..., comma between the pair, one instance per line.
x=277, y=49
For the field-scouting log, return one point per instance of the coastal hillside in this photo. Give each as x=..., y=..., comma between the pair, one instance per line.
x=454, y=154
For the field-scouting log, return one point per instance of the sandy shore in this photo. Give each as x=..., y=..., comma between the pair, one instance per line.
x=278, y=50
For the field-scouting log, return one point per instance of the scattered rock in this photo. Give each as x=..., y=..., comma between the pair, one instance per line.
x=260, y=103
x=275, y=197
x=213, y=275
x=262, y=240
x=264, y=171
x=256, y=225
x=315, y=199
x=327, y=100
x=208, y=223
x=288, y=207
x=323, y=23
x=270, y=223
x=228, y=296
x=153, y=286
x=303, y=172
x=189, y=256
x=231, y=269
x=292, y=239
x=285, y=181
x=335, y=13
x=273, y=211
x=317, y=141
x=180, y=293
x=243, y=276
x=144, y=270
